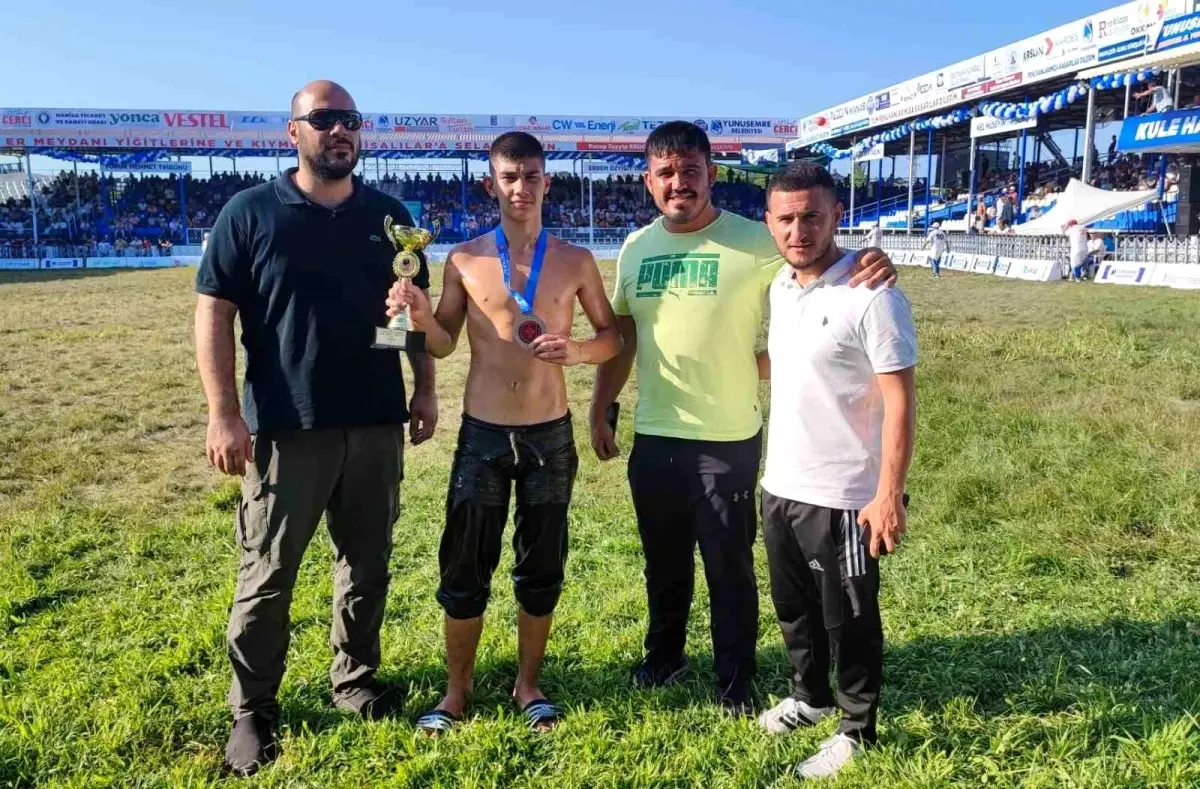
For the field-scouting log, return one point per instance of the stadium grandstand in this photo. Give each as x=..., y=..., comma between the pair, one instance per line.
x=145, y=215
x=1097, y=121
x=132, y=190
x=993, y=142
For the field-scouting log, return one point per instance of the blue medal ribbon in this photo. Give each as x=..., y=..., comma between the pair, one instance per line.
x=524, y=300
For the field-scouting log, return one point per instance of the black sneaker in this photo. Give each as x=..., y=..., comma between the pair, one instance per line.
x=737, y=699
x=372, y=702
x=251, y=745
x=655, y=673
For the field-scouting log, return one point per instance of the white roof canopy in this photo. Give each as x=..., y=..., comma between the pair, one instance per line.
x=1085, y=204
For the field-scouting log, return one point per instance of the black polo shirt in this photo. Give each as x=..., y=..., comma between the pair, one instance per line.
x=310, y=284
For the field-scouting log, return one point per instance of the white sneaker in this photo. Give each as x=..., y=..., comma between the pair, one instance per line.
x=835, y=753
x=791, y=714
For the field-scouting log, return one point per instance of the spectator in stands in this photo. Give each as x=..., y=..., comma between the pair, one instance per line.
x=1160, y=98
x=1112, y=150
x=1004, y=220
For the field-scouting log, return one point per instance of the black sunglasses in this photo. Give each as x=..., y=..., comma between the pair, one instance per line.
x=324, y=120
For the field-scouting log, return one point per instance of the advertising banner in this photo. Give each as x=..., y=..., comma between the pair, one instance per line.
x=874, y=153
x=20, y=264
x=1176, y=275
x=1108, y=36
x=986, y=126
x=835, y=121
x=1035, y=270
x=109, y=262
x=1125, y=274
x=983, y=264
x=1178, y=32
x=151, y=167
x=89, y=123
x=62, y=262
x=1161, y=131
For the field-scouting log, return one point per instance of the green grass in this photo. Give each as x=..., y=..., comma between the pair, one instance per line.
x=1041, y=619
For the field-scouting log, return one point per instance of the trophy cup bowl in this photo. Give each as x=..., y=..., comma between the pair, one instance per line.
x=399, y=335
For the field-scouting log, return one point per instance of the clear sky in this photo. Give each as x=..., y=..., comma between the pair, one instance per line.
x=616, y=57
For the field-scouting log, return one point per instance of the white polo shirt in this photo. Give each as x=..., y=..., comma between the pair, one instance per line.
x=827, y=343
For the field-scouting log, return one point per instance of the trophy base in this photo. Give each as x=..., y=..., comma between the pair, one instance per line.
x=389, y=339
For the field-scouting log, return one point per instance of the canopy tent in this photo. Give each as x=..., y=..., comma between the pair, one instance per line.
x=1085, y=204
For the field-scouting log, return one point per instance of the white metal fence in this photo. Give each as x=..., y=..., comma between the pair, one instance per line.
x=1163, y=249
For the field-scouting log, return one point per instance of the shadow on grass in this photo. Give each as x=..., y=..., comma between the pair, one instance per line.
x=21, y=613
x=44, y=602
x=1135, y=666
x=53, y=275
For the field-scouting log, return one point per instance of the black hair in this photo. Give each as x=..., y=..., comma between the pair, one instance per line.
x=517, y=146
x=676, y=137
x=801, y=175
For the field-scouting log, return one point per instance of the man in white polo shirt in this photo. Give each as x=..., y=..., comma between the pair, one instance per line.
x=843, y=406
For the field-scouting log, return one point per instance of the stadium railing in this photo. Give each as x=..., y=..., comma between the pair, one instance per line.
x=23, y=251
x=1025, y=247
x=1165, y=249
x=1131, y=248
x=600, y=236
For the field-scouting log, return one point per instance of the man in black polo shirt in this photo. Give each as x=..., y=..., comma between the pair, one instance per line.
x=305, y=263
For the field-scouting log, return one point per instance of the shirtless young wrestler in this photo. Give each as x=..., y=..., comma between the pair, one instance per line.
x=516, y=426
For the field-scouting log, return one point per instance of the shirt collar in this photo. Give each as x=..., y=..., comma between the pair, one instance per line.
x=290, y=194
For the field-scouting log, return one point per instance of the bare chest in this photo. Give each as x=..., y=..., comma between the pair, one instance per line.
x=492, y=298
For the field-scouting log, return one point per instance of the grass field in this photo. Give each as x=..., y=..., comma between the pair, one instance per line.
x=1042, y=619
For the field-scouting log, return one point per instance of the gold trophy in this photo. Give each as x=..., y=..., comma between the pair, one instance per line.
x=398, y=335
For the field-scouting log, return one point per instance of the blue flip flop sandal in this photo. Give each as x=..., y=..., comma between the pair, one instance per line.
x=541, y=714
x=437, y=722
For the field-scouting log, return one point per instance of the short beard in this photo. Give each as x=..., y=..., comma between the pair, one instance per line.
x=326, y=168
x=830, y=250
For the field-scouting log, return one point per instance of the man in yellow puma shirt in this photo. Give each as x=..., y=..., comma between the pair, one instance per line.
x=689, y=303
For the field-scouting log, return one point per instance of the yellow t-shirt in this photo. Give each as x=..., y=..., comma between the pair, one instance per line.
x=697, y=300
